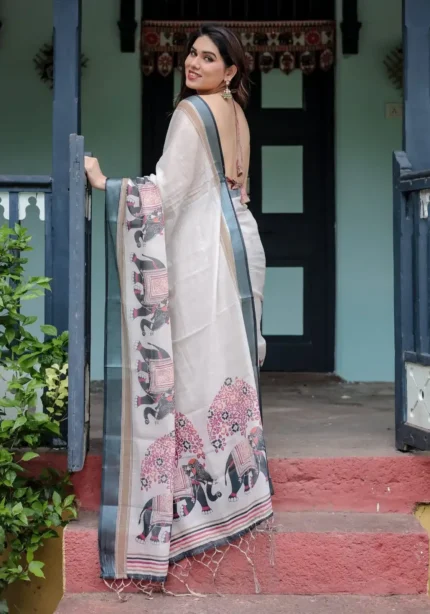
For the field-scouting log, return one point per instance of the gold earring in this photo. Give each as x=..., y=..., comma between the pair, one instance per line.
x=227, y=92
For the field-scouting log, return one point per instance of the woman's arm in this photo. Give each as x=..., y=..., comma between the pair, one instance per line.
x=94, y=174
x=180, y=165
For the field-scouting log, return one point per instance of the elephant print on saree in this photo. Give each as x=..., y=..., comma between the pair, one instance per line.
x=245, y=463
x=192, y=484
x=147, y=211
x=234, y=410
x=157, y=469
x=156, y=377
x=155, y=517
x=191, y=481
x=151, y=290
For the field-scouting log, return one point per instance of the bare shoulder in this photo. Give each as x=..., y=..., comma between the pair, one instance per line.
x=215, y=102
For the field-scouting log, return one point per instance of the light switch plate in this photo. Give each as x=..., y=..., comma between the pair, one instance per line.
x=393, y=110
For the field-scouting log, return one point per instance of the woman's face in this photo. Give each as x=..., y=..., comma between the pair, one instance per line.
x=205, y=70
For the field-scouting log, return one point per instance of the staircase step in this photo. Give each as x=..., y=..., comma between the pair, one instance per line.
x=358, y=484
x=250, y=604
x=315, y=553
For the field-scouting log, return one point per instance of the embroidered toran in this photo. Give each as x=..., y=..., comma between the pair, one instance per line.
x=287, y=45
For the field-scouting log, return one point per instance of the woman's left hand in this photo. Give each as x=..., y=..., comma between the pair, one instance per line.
x=94, y=173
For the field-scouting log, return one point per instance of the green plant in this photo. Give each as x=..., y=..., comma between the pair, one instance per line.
x=31, y=507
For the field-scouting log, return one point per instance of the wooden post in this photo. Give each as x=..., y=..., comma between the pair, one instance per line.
x=350, y=27
x=416, y=50
x=79, y=296
x=127, y=26
x=66, y=121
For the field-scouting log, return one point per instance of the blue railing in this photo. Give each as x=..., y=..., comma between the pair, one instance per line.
x=11, y=187
x=16, y=193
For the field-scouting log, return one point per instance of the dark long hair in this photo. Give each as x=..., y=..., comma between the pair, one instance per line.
x=232, y=53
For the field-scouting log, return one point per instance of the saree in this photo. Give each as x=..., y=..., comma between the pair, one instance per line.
x=184, y=459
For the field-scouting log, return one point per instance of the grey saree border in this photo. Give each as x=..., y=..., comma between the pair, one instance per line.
x=237, y=241
x=112, y=388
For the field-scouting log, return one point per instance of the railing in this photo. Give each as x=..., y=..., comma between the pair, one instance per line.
x=412, y=304
x=17, y=193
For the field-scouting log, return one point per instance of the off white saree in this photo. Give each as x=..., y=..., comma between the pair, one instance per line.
x=185, y=466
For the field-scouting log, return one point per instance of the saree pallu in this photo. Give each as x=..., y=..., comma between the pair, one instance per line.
x=184, y=460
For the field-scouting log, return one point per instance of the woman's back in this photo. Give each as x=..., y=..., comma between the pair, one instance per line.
x=231, y=123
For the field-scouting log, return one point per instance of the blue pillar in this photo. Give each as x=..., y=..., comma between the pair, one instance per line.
x=66, y=121
x=416, y=49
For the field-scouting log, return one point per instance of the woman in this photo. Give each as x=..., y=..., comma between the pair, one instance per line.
x=185, y=466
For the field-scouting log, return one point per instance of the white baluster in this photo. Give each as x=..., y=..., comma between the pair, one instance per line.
x=4, y=202
x=24, y=202
x=424, y=203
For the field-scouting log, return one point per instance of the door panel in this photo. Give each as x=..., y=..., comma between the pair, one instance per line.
x=177, y=76
x=282, y=179
x=284, y=295
x=281, y=92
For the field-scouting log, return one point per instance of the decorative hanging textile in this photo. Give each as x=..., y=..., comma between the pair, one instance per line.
x=288, y=45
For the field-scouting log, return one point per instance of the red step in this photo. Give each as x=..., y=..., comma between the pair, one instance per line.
x=358, y=484
x=315, y=553
x=252, y=604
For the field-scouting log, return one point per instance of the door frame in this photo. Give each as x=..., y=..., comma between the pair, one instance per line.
x=301, y=358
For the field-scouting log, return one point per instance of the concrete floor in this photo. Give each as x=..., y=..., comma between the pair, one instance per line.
x=327, y=418
x=307, y=416
x=249, y=604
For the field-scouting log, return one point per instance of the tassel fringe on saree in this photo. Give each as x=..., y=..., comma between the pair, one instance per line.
x=185, y=472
